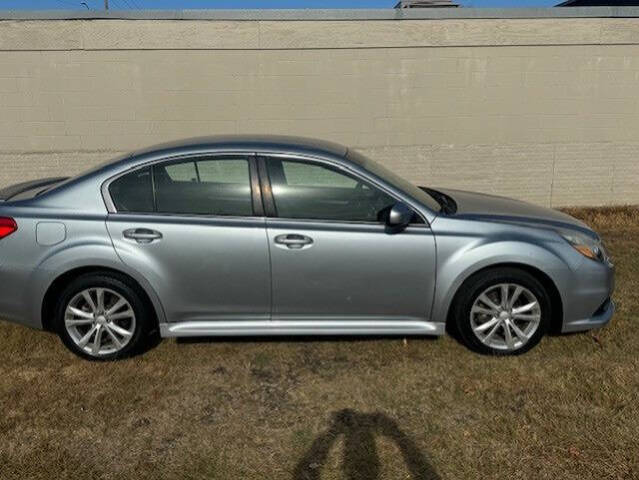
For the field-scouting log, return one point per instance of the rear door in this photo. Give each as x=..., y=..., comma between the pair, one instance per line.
x=195, y=228
x=331, y=256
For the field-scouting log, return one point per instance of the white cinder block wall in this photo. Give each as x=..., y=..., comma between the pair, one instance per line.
x=542, y=109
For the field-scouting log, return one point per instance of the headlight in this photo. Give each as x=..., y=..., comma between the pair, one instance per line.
x=586, y=245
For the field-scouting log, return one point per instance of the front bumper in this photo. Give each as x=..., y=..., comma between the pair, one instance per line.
x=597, y=321
x=590, y=304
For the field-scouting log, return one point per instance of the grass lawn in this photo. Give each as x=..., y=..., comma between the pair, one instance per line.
x=328, y=409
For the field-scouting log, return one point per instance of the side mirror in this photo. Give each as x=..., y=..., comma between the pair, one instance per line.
x=399, y=217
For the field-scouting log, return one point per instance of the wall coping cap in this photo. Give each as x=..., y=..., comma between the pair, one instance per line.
x=325, y=14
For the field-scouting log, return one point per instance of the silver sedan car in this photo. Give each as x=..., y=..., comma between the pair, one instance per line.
x=261, y=235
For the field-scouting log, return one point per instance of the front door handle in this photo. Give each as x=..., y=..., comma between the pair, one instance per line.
x=293, y=241
x=142, y=235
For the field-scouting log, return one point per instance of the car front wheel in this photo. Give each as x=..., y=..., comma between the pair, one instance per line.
x=504, y=311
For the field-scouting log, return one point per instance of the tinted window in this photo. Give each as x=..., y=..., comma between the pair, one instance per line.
x=182, y=172
x=228, y=171
x=205, y=187
x=313, y=191
x=309, y=175
x=133, y=192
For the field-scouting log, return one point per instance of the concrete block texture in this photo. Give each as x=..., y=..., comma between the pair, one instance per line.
x=542, y=109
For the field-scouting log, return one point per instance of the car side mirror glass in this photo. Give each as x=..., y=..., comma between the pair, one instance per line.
x=399, y=217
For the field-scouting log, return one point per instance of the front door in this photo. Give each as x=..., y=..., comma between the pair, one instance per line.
x=331, y=256
x=190, y=227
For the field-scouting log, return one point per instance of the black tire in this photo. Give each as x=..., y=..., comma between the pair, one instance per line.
x=125, y=287
x=474, y=286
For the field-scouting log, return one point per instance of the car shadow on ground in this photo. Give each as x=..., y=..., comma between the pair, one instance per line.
x=360, y=458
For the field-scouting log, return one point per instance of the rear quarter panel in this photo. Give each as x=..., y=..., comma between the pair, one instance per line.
x=29, y=265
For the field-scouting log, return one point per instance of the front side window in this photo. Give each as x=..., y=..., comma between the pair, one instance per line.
x=313, y=191
x=210, y=186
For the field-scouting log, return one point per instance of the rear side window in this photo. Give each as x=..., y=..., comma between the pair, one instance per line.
x=133, y=192
x=219, y=186
x=181, y=172
x=224, y=171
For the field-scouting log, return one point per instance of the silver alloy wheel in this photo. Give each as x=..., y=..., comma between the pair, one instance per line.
x=100, y=321
x=505, y=316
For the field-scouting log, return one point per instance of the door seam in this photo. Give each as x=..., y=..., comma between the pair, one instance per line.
x=270, y=266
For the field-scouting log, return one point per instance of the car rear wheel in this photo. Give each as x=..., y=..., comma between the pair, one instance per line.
x=505, y=311
x=102, y=316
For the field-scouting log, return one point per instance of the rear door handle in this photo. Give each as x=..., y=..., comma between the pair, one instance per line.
x=142, y=235
x=293, y=241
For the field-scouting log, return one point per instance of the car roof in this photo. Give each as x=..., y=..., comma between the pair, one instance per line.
x=257, y=143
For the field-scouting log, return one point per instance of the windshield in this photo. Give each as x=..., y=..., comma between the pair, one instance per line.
x=395, y=180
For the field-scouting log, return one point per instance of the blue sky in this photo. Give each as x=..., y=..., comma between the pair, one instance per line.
x=181, y=4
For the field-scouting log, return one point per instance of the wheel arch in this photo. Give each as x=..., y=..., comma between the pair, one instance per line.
x=548, y=283
x=47, y=309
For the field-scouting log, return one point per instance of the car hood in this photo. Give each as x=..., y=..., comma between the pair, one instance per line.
x=495, y=208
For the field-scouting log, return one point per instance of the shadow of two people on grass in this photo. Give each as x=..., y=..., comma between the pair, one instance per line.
x=360, y=458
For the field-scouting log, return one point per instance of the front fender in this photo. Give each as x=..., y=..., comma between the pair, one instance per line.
x=460, y=255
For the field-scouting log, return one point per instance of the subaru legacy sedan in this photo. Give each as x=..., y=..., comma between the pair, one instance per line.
x=261, y=235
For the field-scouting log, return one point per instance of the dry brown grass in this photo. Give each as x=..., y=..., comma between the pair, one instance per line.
x=360, y=409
